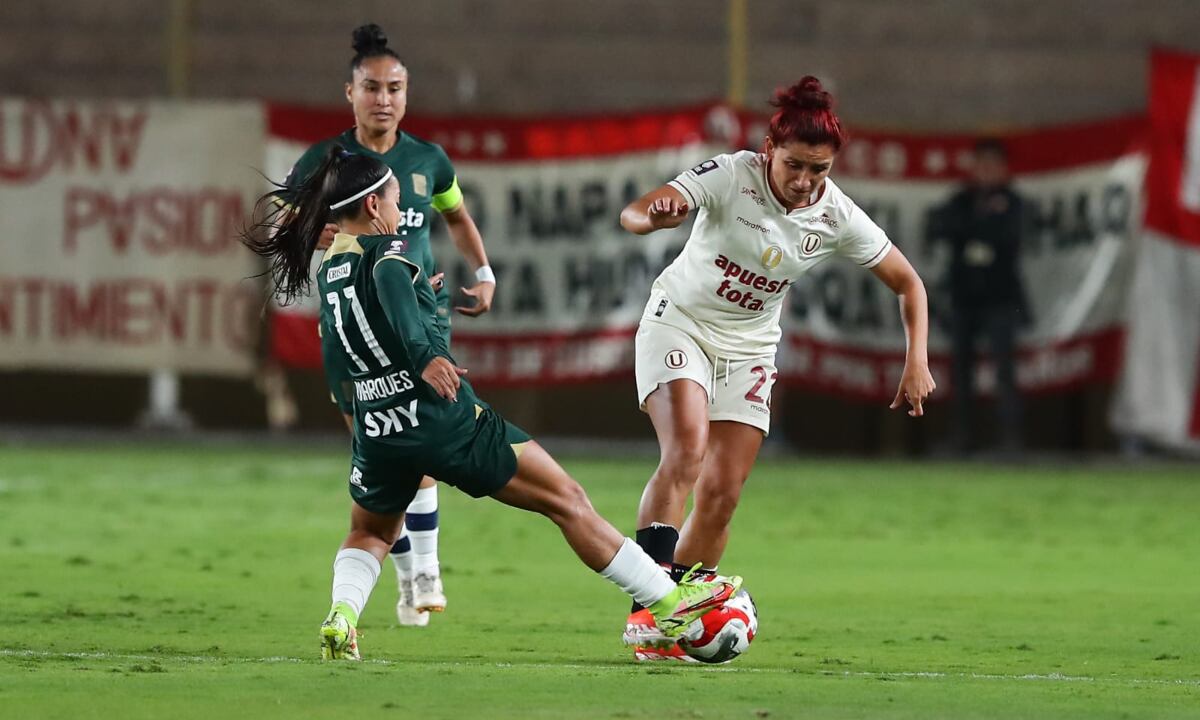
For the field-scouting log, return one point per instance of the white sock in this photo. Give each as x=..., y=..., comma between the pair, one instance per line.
x=354, y=574
x=632, y=570
x=421, y=520
x=403, y=560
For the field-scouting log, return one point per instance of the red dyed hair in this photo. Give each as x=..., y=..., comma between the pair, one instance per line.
x=806, y=114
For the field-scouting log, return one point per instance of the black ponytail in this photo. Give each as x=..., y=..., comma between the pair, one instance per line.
x=370, y=41
x=294, y=214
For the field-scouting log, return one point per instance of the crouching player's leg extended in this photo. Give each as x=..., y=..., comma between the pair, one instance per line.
x=499, y=460
x=542, y=486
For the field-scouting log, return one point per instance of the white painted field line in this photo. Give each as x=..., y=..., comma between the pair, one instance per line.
x=933, y=675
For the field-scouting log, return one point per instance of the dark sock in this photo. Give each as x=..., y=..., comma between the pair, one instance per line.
x=658, y=541
x=678, y=571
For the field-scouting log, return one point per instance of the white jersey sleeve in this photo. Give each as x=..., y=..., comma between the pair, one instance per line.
x=863, y=241
x=708, y=184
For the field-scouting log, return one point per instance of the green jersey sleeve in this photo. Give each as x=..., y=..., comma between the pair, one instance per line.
x=447, y=196
x=395, y=277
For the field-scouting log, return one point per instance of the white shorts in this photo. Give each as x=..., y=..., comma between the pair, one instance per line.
x=738, y=390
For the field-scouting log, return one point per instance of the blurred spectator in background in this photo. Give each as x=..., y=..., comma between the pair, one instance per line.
x=982, y=224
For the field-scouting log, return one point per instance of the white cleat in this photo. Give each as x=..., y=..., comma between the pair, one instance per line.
x=406, y=614
x=427, y=593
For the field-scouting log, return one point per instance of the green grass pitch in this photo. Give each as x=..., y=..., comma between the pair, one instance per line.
x=176, y=582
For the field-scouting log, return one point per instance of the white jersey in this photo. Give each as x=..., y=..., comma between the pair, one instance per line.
x=746, y=250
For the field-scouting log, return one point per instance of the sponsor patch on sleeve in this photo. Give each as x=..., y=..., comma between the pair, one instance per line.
x=337, y=272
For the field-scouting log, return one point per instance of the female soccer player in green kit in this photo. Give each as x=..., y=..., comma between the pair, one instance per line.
x=415, y=414
x=377, y=91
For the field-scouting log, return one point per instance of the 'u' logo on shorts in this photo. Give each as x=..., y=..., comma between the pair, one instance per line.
x=676, y=359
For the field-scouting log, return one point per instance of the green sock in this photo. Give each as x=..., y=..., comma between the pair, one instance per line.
x=347, y=612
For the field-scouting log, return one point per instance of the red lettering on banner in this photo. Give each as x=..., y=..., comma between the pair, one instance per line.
x=127, y=311
x=80, y=315
x=34, y=288
x=67, y=136
x=156, y=221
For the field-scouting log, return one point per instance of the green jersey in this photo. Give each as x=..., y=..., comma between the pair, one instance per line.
x=378, y=324
x=427, y=183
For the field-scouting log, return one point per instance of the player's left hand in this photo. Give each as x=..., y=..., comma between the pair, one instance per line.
x=482, y=292
x=327, y=234
x=916, y=383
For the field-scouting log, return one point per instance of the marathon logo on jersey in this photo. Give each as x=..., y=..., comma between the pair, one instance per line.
x=754, y=226
x=337, y=272
x=750, y=280
x=706, y=166
x=753, y=195
x=825, y=219
x=398, y=247
x=391, y=421
x=356, y=479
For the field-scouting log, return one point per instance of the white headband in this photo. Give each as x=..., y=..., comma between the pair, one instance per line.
x=363, y=193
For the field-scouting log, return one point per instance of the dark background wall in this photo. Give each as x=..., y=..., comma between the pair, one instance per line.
x=927, y=65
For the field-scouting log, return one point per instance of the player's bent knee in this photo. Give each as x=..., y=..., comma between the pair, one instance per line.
x=570, y=504
x=718, y=505
x=681, y=461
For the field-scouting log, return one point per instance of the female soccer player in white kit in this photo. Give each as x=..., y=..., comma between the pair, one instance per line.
x=706, y=343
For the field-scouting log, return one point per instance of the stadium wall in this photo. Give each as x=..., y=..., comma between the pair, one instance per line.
x=937, y=65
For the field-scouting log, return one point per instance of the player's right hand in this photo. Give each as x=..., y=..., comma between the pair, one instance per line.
x=443, y=376
x=667, y=212
x=327, y=234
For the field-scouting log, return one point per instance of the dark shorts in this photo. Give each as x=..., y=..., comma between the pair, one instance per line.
x=384, y=479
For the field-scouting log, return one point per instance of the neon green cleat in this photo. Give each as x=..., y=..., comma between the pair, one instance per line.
x=339, y=639
x=690, y=600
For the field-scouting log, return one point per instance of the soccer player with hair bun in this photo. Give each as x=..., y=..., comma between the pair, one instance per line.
x=706, y=343
x=414, y=412
x=378, y=92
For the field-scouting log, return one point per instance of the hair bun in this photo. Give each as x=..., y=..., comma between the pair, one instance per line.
x=808, y=94
x=369, y=37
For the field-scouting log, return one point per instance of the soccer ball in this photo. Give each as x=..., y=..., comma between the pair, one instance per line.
x=723, y=634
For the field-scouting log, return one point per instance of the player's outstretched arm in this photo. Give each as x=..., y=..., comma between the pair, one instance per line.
x=469, y=242
x=916, y=382
x=658, y=209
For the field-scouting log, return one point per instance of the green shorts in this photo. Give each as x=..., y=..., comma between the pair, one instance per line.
x=384, y=479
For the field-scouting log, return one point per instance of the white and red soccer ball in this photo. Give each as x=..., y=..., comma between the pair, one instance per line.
x=722, y=634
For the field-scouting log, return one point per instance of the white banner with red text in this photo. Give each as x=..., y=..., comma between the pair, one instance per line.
x=120, y=223
x=547, y=193
x=1158, y=396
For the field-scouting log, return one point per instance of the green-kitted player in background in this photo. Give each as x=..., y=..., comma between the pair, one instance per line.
x=414, y=413
x=377, y=91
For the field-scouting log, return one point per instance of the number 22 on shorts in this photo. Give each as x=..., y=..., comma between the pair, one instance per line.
x=763, y=376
